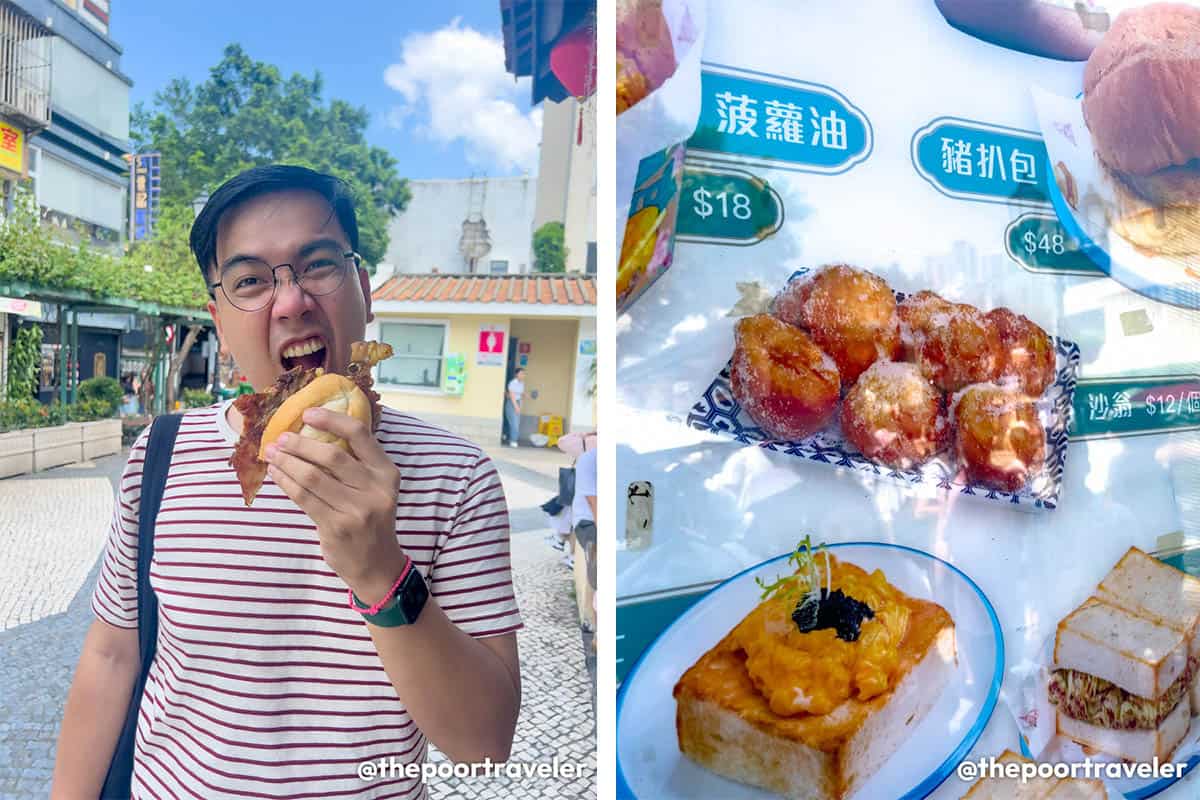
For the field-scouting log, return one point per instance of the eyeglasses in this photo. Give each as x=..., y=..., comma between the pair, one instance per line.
x=250, y=284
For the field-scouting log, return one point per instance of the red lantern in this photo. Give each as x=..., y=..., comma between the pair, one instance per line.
x=573, y=61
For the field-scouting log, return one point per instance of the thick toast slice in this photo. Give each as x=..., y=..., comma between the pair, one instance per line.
x=724, y=724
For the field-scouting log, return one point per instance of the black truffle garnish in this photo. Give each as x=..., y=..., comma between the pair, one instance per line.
x=834, y=609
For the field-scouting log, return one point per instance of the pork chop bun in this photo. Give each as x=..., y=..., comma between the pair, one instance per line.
x=1143, y=110
x=334, y=392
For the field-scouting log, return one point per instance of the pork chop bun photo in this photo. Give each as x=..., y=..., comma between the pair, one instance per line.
x=1141, y=102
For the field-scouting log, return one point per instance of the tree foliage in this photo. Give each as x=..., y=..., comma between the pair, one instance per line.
x=549, y=251
x=247, y=114
x=24, y=357
x=39, y=255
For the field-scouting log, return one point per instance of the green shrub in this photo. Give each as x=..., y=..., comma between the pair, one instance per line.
x=29, y=413
x=92, y=408
x=197, y=398
x=24, y=360
x=56, y=413
x=105, y=389
x=18, y=414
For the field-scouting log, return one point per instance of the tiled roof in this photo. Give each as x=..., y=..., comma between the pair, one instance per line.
x=571, y=289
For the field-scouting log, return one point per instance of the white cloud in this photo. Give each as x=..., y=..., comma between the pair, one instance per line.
x=453, y=87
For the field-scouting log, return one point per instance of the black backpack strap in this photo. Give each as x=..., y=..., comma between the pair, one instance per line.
x=154, y=479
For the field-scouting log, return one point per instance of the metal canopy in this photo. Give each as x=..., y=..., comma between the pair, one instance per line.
x=83, y=301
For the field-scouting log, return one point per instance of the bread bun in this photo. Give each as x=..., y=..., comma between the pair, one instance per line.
x=334, y=392
x=1139, y=90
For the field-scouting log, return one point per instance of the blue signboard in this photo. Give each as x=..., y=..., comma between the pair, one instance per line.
x=772, y=121
x=972, y=160
x=144, y=193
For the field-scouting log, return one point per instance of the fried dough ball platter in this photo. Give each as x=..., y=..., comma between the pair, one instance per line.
x=1001, y=441
x=954, y=344
x=850, y=314
x=1026, y=352
x=895, y=416
x=788, y=385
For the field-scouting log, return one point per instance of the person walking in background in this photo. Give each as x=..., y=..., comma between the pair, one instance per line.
x=512, y=406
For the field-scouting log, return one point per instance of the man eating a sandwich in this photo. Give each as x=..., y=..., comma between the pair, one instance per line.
x=334, y=587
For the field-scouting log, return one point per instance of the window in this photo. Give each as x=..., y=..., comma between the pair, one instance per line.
x=417, y=359
x=591, y=258
x=499, y=268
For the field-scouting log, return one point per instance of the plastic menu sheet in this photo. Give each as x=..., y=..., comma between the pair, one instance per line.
x=890, y=140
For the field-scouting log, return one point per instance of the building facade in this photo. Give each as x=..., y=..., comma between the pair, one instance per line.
x=64, y=134
x=459, y=339
x=566, y=182
x=473, y=225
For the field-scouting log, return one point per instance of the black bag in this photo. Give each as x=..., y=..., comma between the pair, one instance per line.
x=566, y=482
x=154, y=478
x=566, y=486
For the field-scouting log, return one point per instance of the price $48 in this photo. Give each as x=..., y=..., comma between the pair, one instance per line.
x=1046, y=243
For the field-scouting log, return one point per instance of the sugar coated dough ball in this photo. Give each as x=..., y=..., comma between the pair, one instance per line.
x=788, y=385
x=850, y=314
x=894, y=415
x=954, y=344
x=1000, y=440
x=1026, y=352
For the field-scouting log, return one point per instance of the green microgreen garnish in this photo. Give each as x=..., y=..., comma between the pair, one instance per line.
x=804, y=582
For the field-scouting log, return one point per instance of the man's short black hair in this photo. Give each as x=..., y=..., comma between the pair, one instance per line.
x=260, y=181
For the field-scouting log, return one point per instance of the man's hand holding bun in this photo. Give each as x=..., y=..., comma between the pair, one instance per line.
x=349, y=492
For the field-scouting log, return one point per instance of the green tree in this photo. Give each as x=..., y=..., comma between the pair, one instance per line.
x=549, y=251
x=24, y=358
x=247, y=114
x=40, y=255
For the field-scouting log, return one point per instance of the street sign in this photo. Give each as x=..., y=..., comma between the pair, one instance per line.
x=16, y=305
x=12, y=148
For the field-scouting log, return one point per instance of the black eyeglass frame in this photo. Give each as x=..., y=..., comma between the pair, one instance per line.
x=297, y=279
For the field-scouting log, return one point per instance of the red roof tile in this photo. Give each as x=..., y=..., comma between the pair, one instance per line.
x=572, y=289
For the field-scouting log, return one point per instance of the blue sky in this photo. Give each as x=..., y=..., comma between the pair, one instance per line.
x=431, y=74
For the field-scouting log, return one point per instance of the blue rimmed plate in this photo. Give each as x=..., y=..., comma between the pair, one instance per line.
x=718, y=412
x=650, y=765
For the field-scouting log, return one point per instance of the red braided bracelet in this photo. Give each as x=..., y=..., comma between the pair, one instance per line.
x=355, y=603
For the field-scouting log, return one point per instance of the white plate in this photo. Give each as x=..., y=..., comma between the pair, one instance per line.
x=649, y=764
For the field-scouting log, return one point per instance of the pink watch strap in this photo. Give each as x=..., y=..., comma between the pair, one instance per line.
x=387, y=598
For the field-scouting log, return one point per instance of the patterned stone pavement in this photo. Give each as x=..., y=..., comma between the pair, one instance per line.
x=52, y=529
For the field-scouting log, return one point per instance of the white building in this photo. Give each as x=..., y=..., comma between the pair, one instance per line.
x=440, y=229
x=566, y=183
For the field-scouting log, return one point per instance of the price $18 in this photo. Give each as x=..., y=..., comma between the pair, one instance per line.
x=737, y=205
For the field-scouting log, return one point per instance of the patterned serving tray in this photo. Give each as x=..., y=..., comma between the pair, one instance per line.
x=718, y=412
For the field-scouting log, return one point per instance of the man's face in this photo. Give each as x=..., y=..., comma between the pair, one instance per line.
x=277, y=228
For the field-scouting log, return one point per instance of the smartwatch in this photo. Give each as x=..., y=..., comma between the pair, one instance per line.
x=403, y=607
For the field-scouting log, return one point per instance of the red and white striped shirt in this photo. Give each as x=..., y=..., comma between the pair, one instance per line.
x=265, y=683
